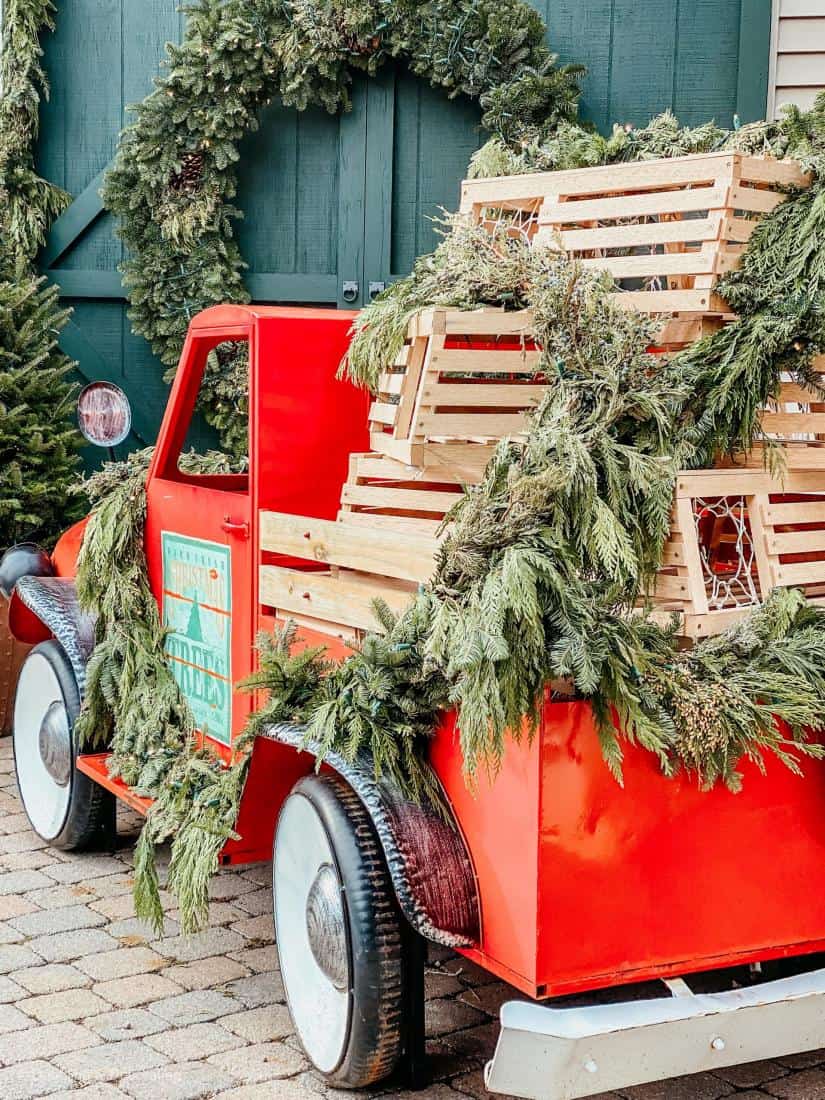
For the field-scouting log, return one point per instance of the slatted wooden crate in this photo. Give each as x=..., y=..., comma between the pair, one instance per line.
x=736, y=535
x=667, y=230
x=463, y=381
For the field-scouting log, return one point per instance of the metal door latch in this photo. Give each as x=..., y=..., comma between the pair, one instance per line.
x=350, y=291
x=376, y=289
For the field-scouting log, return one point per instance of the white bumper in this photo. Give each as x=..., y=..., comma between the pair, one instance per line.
x=564, y=1053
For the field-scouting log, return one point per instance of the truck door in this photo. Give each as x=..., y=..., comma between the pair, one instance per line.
x=199, y=547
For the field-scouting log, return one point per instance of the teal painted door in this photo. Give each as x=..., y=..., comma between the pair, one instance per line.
x=330, y=201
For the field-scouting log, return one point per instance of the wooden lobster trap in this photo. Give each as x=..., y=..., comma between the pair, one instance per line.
x=666, y=230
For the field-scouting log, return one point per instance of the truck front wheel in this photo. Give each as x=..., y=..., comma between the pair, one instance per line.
x=64, y=806
x=339, y=933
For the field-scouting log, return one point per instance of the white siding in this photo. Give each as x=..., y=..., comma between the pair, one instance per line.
x=797, y=72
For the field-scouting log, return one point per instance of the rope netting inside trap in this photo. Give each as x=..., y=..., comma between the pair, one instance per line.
x=726, y=552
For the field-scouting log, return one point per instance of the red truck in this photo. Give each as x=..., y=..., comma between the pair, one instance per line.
x=550, y=876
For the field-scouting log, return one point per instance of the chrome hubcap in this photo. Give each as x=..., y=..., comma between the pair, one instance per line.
x=55, y=744
x=325, y=927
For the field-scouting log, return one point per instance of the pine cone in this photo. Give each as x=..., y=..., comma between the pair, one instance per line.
x=189, y=177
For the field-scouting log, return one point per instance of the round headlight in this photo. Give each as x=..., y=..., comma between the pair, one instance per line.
x=103, y=414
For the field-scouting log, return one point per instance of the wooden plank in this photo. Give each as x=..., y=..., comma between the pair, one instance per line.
x=796, y=542
x=402, y=524
x=672, y=301
x=793, y=423
x=275, y=286
x=391, y=384
x=671, y=588
x=339, y=544
x=418, y=354
x=802, y=35
x=513, y=395
x=673, y=263
x=750, y=198
x=806, y=511
x=76, y=219
x=628, y=236
x=803, y=572
x=632, y=206
x=346, y=598
x=693, y=561
x=487, y=322
x=727, y=483
x=383, y=413
x=469, y=361
x=382, y=466
x=403, y=500
x=470, y=425
x=352, y=158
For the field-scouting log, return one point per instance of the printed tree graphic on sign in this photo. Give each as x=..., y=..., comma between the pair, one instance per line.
x=193, y=630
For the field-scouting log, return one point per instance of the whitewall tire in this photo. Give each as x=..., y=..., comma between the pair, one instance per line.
x=339, y=934
x=64, y=806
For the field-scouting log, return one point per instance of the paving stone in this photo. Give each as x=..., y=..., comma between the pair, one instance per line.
x=700, y=1086
x=123, y=962
x=197, y=1007
x=258, y=989
x=67, y=946
x=473, y=1042
x=489, y=998
x=140, y=931
x=103, y=1091
x=110, y=1061
x=10, y=991
x=48, y=921
x=92, y=1092
x=128, y=1023
x=10, y=935
x=284, y=1090
x=112, y=886
x=58, y=897
x=28, y=861
x=13, y=905
x=84, y=868
x=259, y=873
x=258, y=959
x=450, y=1015
x=188, y=1082
x=29, y=1079
x=72, y=1004
x=226, y=885
x=50, y=978
x=213, y=941
x=220, y=913
x=206, y=973
x=190, y=1044
x=15, y=957
x=808, y=1084
x=256, y=928
x=256, y=904
x=804, y=1060
x=21, y=842
x=751, y=1074
x=12, y=1019
x=262, y=1062
x=139, y=989
x=14, y=823
x=260, y=1025
x=46, y=1041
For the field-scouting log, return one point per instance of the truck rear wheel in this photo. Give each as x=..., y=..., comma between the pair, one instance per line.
x=340, y=934
x=64, y=806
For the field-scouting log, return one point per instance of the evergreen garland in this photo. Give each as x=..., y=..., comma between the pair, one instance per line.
x=174, y=179
x=38, y=444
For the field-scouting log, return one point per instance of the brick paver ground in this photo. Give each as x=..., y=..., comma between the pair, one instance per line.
x=93, y=1006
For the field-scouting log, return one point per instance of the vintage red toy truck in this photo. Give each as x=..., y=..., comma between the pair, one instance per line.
x=553, y=877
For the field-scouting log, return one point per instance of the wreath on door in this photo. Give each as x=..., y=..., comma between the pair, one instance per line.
x=174, y=179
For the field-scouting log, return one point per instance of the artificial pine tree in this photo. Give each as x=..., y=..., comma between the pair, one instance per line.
x=38, y=444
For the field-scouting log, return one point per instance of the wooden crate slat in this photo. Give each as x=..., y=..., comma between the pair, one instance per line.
x=403, y=524
x=803, y=572
x=334, y=543
x=554, y=213
x=345, y=598
x=672, y=301
x=781, y=514
x=673, y=263
x=406, y=500
x=486, y=361
x=645, y=233
x=793, y=423
x=517, y=395
x=796, y=542
x=382, y=413
x=471, y=425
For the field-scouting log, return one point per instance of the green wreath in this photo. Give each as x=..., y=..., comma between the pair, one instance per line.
x=174, y=178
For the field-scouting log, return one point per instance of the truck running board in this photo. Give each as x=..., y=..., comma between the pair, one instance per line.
x=566, y=1053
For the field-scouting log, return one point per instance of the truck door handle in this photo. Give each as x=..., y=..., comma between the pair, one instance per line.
x=239, y=529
